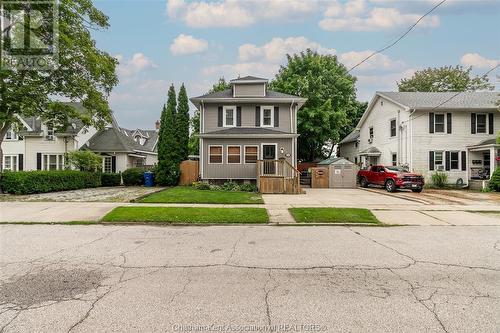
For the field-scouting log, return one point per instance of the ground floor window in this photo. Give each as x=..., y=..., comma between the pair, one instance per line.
x=454, y=163
x=139, y=162
x=438, y=160
x=233, y=154
x=107, y=164
x=52, y=162
x=394, y=159
x=215, y=155
x=251, y=154
x=10, y=163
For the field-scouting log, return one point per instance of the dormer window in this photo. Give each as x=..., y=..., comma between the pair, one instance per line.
x=49, y=136
x=11, y=135
x=267, y=116
x=229, y=116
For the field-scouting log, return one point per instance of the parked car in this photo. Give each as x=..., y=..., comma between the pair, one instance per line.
x=391, y=177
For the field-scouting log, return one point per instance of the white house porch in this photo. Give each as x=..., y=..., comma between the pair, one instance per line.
x=484, y=158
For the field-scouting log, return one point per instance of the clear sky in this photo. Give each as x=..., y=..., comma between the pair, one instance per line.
x=196, y=42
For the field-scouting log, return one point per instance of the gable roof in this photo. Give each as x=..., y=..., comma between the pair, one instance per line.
x=429, y=100
x=450, y=101
x=113, y=140
x=335, y=160
x=351, y=137
x=249, y=79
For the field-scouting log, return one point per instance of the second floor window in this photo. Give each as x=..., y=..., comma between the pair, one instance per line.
x=267, y=118
x=229, y=116
x=393, y=128
x=481, y=123
x=11, y=135
x=371, y=133
x=439, y=123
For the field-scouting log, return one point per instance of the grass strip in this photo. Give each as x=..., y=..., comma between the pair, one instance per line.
x=333, y=215
x=186, y=194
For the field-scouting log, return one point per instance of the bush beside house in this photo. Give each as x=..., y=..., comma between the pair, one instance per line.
x=133, y=177
x=29, y=182
x=494, y=184
x=111, y=179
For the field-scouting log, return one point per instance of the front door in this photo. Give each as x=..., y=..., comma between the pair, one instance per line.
x=269, y=157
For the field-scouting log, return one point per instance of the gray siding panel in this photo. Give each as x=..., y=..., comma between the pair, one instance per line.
x=252, y=90
x=239, y=171
x=247, y=116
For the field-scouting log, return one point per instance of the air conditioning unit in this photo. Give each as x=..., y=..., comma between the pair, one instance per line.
x=370, y=140
x=439, y=167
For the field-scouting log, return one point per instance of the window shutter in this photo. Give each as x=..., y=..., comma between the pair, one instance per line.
x=447, y=161
x=473, y=123
x=464, y=161
x=431, y=122
x=238, y=116
x=276, y=116
x=113, y=163
x=219, y=117
x=431, y=160
x=39, y=161
x=448, y=123
x=20, y=162
x=257, y=116
x=490, y=122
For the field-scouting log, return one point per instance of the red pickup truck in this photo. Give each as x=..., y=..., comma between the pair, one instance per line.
x=391, y=177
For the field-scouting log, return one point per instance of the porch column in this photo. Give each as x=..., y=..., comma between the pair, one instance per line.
x=493, y=161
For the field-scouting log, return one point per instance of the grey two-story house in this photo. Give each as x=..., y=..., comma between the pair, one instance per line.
x=248, y=131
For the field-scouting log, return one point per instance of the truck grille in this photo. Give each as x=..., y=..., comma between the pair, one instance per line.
x=413, y=179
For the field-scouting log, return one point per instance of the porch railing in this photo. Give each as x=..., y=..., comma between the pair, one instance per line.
x=277, y=176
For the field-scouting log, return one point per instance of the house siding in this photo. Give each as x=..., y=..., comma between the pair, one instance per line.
x=239, y=171
x=249, y=90
x=35, y=145
x=458, y=140
x=210, y=116
x=379, y=118
x=348, y=151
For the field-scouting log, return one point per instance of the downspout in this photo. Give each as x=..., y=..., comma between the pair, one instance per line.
x=411, y=138
x=201, y=159
x=400, y=129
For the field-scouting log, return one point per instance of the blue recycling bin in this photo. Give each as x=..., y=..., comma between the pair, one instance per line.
x=149, y=179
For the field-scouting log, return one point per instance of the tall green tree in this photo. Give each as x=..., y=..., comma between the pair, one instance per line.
x=446, y=78
x=167, y=170
x=331, y=99
x=182, y=124
x=83, y=74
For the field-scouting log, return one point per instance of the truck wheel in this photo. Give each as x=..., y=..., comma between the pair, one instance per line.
x=390, y=186
x=363, y=182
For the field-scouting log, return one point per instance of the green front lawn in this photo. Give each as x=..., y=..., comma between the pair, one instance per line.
x=333, y=215
x=187, y=215
x=187, y=194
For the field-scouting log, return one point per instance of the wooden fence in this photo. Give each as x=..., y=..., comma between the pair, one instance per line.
x=189, y=172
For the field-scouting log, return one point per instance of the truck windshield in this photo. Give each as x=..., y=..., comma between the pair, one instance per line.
x=396, y=168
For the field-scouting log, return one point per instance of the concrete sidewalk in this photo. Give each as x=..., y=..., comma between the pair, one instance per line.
x=278, y=213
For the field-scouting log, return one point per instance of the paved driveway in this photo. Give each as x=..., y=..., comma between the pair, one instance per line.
x=157, y=279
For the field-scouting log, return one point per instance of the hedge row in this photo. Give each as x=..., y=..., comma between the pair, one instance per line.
x=28, y=182
x=111, y=179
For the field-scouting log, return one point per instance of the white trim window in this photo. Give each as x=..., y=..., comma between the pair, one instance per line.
x=481, y=123
x=10, y=163
x=439, y=123
x=251, y=154
x=370, y=133
x=11, y=135
x=49, y=136
x=215, y=155
x=439, y=160
x=107, y=164
x=267, y=116
x=233, y=154
x=52, y=162
x=229, y=116
x=394, y=159
x=393, y=128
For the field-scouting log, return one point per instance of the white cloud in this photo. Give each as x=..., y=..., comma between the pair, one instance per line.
x=186, y=44
x=377, y=62
x=355, y=15
x=134, y=65
x=478, y=61
x=235, y=13
x=276, y=50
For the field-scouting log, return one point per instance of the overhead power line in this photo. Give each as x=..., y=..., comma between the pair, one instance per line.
x=399, y=38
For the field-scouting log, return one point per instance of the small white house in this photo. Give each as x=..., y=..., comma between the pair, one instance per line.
x=429, y=132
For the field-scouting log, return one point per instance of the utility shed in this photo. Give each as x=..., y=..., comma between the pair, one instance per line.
x=342, y=172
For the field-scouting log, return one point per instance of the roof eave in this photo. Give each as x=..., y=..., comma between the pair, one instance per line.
x=248, y=136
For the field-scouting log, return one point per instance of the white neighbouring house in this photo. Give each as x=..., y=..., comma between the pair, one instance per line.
x=427, y=132
x=37, y=145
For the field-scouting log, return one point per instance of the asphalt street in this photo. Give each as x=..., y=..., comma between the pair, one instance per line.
x=249, y=278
